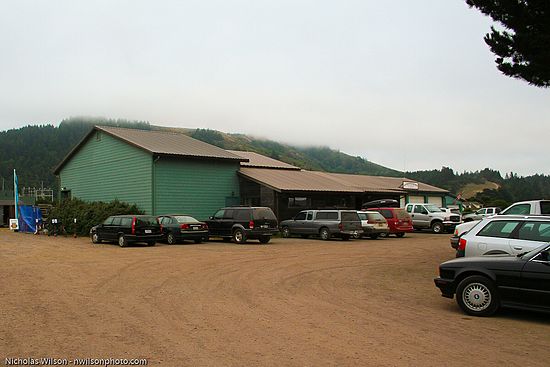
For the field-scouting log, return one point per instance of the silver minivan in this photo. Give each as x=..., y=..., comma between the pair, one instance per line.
x=323, y=223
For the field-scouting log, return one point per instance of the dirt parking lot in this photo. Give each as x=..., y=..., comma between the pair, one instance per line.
x=292, y=302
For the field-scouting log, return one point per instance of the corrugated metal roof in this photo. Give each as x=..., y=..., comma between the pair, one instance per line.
x=261, y=161
x=158, y=142
x=172, y=143
x=291, y=180
x=377, y=183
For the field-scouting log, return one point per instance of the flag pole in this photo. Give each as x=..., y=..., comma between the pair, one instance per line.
x=15, y=188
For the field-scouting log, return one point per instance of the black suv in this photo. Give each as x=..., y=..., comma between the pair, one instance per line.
x=126, y=229
x=241, y=223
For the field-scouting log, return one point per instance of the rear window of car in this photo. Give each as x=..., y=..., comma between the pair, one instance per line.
x=349, y=216
x=499, y=229
x=519, y=209
x=185, y=219
x=146, y=221
x=126, y=221
x=375, y=217
x=327, y=216
x=386, y=213
x=401, y=214
x=263, y=213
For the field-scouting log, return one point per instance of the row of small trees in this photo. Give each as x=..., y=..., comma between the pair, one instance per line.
x=77, y=216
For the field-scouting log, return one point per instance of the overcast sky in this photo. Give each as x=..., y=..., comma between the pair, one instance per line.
x=407, y=84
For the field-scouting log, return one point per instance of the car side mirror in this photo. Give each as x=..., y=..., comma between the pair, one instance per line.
x=211, y=218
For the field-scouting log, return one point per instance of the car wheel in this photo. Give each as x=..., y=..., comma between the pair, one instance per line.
x=374, y=236
x=264, y=239
x=95, y=238
x=285, y=232
x=356, y=235
x=437, y=227
x=239, y=236
x=400, y=234
x=171, y=239
x=324, y=234
x=346, y=237
x=477, y=296
x=384, y=234
x=151, y=243
x=122, y=241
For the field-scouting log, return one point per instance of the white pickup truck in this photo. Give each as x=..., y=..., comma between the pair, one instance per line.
x=531, y=207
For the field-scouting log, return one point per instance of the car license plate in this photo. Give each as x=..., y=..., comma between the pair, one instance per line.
x=195, y=228
x=264, y=226
x=147, y=231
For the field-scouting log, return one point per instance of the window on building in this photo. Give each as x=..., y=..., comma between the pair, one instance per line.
x=299, y=202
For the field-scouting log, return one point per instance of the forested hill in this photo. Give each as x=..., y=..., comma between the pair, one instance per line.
x=34, y=151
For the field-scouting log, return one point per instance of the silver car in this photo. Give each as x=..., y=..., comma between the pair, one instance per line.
x=323, y=223
x=505, y=234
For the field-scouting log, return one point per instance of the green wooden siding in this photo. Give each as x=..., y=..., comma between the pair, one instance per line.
x=106, y=169
x=195, y=187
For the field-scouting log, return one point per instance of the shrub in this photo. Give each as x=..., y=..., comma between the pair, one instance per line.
x=87, y=214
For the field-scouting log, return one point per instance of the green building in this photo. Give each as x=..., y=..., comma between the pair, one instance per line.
x=161, y=172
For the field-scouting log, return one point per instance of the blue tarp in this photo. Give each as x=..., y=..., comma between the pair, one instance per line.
x=29, y=216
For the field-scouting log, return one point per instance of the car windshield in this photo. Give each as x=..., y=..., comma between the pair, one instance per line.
x=185, y=219
x=432, y=208
x=400, y=214
x=532, y=253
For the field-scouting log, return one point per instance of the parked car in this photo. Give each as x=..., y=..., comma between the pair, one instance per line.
x=505, y=234
x=242, y=223
x=180, y=227
x=324, y=223
x=531, y=207
x=429, y=216
x=126, y=229
x=460, y=230
x=483, y=284
x=399, y=221
x=373, y=224
x=480, y=214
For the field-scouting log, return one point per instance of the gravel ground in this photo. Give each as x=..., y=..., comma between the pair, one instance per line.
x=293, y=302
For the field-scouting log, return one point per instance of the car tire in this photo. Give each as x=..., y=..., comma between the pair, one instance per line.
x=171, y=239
x=374, y=236
x=437, y=227
x=477, y=296
x=151, y=243
x=264, y=239
x=346, y=237
x=400, y=234
x=285, y=232
x=384, y=234
x=356, y=235
x=239, y=236
x=95, y=238
x=324, y=234
x=122, y=241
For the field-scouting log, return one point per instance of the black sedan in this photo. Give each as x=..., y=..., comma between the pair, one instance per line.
x=180, y=227
x=483, y=284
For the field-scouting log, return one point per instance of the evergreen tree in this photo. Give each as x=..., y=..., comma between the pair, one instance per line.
x=522, y=49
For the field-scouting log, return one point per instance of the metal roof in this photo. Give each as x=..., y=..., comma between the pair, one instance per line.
x=158, y=142
x=292, y=180
x=261, y=161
